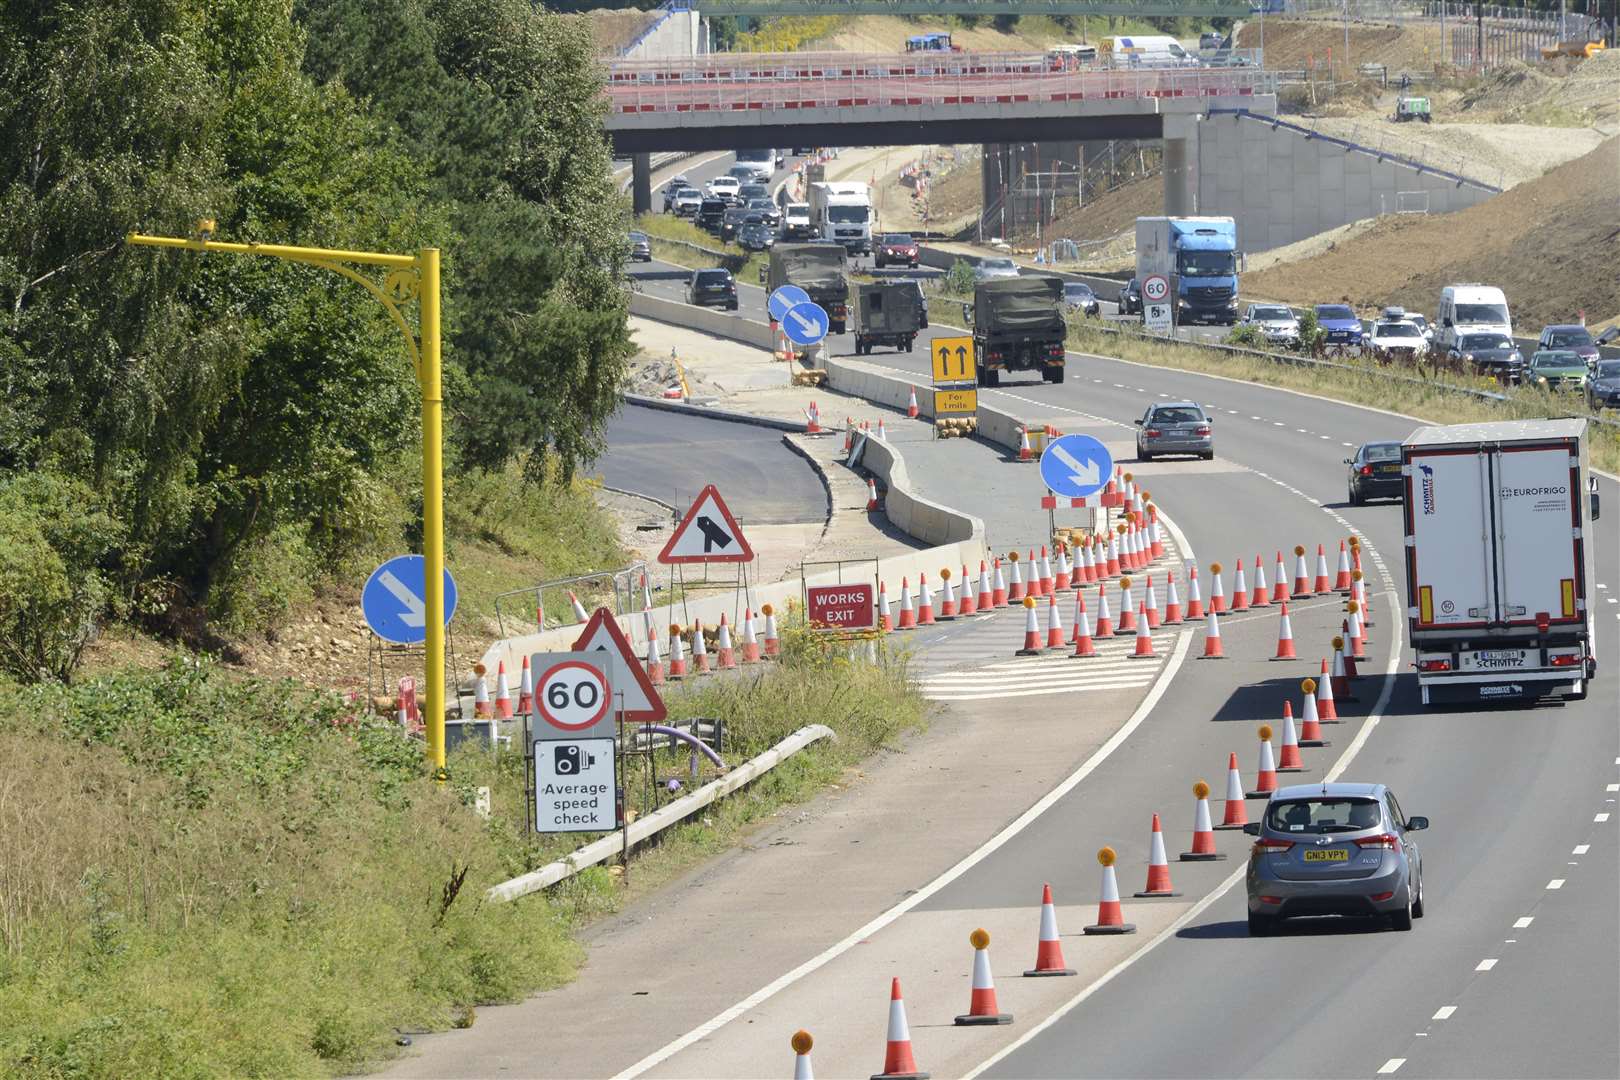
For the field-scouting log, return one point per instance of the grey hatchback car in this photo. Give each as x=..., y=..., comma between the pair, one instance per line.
x=1334, y=849
x=1174, y=427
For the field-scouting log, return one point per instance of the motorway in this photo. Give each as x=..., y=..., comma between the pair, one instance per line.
x=1518, y=798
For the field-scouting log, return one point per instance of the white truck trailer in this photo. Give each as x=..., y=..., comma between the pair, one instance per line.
x=1499, y=560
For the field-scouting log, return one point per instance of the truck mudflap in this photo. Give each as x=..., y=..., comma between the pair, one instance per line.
x=1462, y=688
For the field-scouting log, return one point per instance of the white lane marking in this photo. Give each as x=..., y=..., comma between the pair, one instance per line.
x=1278, y=423
x=1485, y=965
x=1556, y=883
x=1018, y=825
x=1581, y=849
x=1325, y=438
x=1443, y=1012
x=1390, y=1066
x=1301, y=431
x=1523, y=921
x=1234, y=412
x=1600, y=817
x=1510, y=941
x=1254, y=418
x=1612, y=787
x=1347, y=444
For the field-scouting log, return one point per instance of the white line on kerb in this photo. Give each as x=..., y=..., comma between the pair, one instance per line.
x=1556, y=883
x=1612, y=787
x=1581, y=849
x=1600, y=817
x=1523, y=921
x=1443, y=1012
x=1390, y=1066
x=1485, y=965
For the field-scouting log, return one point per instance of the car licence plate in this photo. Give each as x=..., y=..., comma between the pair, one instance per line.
x=1327, y=855
x=1388, y=470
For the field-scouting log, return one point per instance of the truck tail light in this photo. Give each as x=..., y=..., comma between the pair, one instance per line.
x=1366, y=470
x=1434, y=665
x=1381, y=842
x=1273, y=845
x=1565, y=660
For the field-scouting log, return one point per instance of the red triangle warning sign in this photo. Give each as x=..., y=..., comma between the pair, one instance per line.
x=708, y=533
x=641, y=701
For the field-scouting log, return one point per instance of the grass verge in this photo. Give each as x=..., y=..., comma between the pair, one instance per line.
x=663, y=228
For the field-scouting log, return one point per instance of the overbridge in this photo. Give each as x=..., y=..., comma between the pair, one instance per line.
x=1212, y=9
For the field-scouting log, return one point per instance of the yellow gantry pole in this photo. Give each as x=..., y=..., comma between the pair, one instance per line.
x=411, y=277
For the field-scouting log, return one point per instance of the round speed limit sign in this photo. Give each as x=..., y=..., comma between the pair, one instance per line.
x=572, y=696
x=1155, y=288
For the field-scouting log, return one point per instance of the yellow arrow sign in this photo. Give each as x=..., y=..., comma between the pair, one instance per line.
x=953, y=359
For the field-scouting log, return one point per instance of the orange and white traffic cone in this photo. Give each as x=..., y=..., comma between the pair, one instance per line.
x=1144, y=637
x=1156, y=530
x=677, y=653
x=1326, y=707
x=1240, y=589
x=1285, y=636
x=750, y=641
x=1152, y=605
x=1064, y=575
x=911, y=405
x=801, y=1043
x=947, y=606
x=1158, y=878
x=1203, y=845
x=1024, y=452
x=987, y=595
x=1105, y=625
x=1212, y=638
x=1032, y=630
x=812, y=420
x=1279, y=585
x=1310, y=727
x=727, y=653
x=1350, y=666
x=525, y=704
x=773, y=643
x=1172, y=601
x=1358, y=593
x=1260, y=596
x=1323, y=584
x=655, y=662
x=1111, y=564
x=873, y=504
x=700, y=651
x=579, y=609
x=966, y=606
x=1049, y=950
x=1054, y=624
x=1302, y=575
x=503, y=693
x=1217, y=594
x=1266, y=779
x=982, y=1007
x=1015, y=587
x=1341, y=672
x=1089, y=553
x=1110, y=918
x=908, y=615
x=1082, y=628
x=882, y=432
x=1358, y=639
x=885, y=616
x=998, y=595
x=1237, y=814
x=1289, y=759
x=1048, y=581
x=1195, y=599
x=898, y=1061
x=482, y=709
x=1127, y=608
x=1341, y=582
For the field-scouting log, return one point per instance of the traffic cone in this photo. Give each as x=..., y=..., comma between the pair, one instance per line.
x=925, y=602
x=1217, y=595
x=1259, y=596
x=1279, y=584
x=773, y=644
x=1203, y=845
x=966, y=606
x=1048, y=582
x=1326, y=708
x=947, y=607
x=882, y=432
x=987, y=596
x=1266, y=780
x=1323, y=585
x=1049, y=950
x=1105, y=625
x=1310, y=727
x=1240, y=589
x=1357, y=639
x=579, y=609
x=1015, y=587
x=1288, y=759
x=1024, y=453
x=911, y=405
x=1082, y=628
x=908, y=616
x=982, y=1007
x=1341, y=582
x=998, y=595
x=1358, y=593
x=1158, y=878
x=885, y=617
x=1032, y=630
x=898, y=1062
x=700, y=651
x=539, y=616
x=1237, y=814
x=1054, y=624
x=1088, y=555
x=872, y=503
x=1152, y=605
x=1144, y=637
x=849, y=434
x=727, y=653
x=1341, y=674
x=1285, y=636
x=1212, y=638
x=801, y=1043
x=750, y=644
x=1111, y=565
x=1065, y=573
x=1156, y=531
x=1110, y=919
x=481, y=706
x=812, y=420
x=1127, y=609
x=1302, y=576
x=1350, y=665
x=677, y=653
x=525, y=704
x=1195, y=600
x=503, y=693
x=1172, y=602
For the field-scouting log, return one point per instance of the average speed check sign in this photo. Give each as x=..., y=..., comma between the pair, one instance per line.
x=573, y=697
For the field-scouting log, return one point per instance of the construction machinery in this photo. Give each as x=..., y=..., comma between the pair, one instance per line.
x=1411, y=108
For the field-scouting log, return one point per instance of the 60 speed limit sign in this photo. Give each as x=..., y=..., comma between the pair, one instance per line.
x=572, y=696
x=1155, y=287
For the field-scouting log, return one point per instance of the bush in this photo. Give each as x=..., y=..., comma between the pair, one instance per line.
x=1311, y=335
x=1248, y=335
x=959, y=278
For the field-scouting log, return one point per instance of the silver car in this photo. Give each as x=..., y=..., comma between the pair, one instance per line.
x=1174, y=427
x=993, y=268
x=1334, y=849
x=1277, y=323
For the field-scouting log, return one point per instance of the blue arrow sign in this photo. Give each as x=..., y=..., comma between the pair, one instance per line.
x=394, y=600
x=1075, y=466
x=805, y=323
x=783, y=298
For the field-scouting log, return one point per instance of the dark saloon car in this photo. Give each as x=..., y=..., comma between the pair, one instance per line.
x=1130, y=297
x=768, y=211
x=1375, y=472
x=1572, y=336
x=712, y=288
x=1489, y=355
x=1603, y=386
x=755, y=234
x=640, y=247
x=1078, y=296
x=896, y=249
x=732, y=222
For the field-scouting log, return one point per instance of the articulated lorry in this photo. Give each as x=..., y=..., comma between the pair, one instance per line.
x=1018, y=326
x=1199, y=257
x=818, y=269
x=842, y=212
x=1499, y=560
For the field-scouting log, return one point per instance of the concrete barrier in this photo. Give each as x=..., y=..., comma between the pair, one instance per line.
x=722, y=324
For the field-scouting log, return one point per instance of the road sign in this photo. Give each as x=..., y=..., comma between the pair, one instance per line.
x=708, y=533
x=1156, y=306
x=1156, y=317
x=394, y=600
x=783, y=298
x=1076, y=466
x=1155, y=287
x=632, y=690
x=805, y=323
x=572, y=697
x=841, y=607
x=955, y=402
x=574, y=788
x=953, y=359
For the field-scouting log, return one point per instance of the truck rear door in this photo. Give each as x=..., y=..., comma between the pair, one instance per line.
x=1449, y=538
x=1540, y=578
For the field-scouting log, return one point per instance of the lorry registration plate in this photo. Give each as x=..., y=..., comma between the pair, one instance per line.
x=1499, y=658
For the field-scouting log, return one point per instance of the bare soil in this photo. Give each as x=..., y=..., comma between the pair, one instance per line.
x=614, y=29
x=1551, y=244
x=1294, y=44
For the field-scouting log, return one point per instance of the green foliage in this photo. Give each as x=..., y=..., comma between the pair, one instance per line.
x=1246, y=334
x=959, y=278
x=1311, y=334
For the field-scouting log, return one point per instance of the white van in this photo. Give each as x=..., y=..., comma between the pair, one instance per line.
x=1468, y=309
x=1146, y=51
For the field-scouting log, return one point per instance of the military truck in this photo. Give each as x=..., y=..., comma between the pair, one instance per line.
x=818, y=269
x=887, y=313
x=1018, y=326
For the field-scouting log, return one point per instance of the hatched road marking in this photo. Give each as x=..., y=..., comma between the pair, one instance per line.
x=1056, y=672
x=1485, y=965
x=1390, y=1066
x=1444, y=1012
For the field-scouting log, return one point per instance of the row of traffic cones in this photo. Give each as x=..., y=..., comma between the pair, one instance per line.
x=727, y=655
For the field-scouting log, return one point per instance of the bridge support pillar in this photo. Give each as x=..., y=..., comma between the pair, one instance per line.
x=641, y=183
x=1180, y=165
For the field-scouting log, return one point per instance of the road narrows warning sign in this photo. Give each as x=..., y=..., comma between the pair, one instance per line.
x=708, y=533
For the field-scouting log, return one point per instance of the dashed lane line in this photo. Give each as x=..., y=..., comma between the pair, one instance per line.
x=1485, y=965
